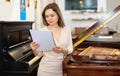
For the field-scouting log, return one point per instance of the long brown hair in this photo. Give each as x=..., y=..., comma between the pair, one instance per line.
x=56, y=9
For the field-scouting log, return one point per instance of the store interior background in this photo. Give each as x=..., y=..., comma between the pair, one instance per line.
x=10, y=11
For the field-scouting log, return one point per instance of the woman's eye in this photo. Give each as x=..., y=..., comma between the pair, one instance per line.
x=52, y=15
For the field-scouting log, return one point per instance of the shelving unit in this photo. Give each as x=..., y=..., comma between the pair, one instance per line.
x=87, y=15
x=83, y=19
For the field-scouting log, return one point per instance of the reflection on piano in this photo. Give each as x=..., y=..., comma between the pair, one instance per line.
x=17, y=56
x=93, y=57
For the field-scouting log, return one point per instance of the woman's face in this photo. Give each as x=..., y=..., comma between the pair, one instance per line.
x=51, y=17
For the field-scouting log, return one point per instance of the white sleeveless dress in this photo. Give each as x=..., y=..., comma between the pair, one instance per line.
x=51, y=63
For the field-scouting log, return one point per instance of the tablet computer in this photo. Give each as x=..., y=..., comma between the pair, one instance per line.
x=44, y=38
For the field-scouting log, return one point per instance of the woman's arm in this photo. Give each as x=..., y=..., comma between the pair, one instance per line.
x=68, y=44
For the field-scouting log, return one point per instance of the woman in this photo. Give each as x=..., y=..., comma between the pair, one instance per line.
x=51, y=62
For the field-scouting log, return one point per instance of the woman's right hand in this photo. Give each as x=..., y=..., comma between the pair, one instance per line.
x=34, y=45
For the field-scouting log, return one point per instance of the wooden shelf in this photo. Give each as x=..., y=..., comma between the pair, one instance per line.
x=84, y=12
x=88, y=19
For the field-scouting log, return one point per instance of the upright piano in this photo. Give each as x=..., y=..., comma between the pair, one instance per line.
x=94, y=56
x=16, y=56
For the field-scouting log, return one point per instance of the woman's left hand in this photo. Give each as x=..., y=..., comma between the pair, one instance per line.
x=59, y=49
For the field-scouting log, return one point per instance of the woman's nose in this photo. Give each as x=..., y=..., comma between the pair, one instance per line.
x=49, y=18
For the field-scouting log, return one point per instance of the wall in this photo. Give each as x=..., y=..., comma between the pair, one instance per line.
x=10, y=11
x=115, y=23
x=103, y=5
x=38, y=12
x=68, y=16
